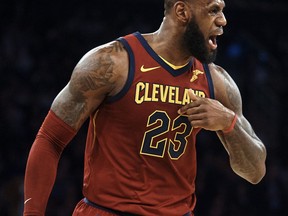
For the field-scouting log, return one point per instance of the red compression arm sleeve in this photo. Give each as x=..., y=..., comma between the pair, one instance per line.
x=41, y=168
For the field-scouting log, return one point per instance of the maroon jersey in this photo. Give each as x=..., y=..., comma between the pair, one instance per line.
x=140, y=154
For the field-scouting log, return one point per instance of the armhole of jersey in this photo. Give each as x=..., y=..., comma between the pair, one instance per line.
x=130, y=76
x=209, y=80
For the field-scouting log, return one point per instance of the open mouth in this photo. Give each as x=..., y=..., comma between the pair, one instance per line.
x=213, y=42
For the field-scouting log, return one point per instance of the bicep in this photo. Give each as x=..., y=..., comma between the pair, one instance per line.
x=91, y=81
x=226, y=90
x=73, y=106
x=228, y=93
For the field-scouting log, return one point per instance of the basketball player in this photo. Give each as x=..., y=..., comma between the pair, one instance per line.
x=147, y=97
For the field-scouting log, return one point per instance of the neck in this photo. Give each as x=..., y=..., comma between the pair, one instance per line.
x=166, y=42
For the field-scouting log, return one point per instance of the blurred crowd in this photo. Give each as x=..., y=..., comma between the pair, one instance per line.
x=41, y=42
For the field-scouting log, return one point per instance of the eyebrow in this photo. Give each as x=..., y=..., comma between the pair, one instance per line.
x=216, y=2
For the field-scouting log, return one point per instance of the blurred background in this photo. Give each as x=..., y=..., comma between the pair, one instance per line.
x=41, y=42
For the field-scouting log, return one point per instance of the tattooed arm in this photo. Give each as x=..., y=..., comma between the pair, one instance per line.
x=97, y=75
x=246, y=151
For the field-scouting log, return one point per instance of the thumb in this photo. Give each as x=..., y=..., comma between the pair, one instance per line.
x=192, y=96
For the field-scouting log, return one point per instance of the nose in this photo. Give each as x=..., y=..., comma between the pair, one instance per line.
x=221, y=20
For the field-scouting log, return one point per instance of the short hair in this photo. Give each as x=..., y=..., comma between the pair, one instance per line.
x=168, y=4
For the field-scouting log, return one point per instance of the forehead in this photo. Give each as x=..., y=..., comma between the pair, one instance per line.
x=211, y=2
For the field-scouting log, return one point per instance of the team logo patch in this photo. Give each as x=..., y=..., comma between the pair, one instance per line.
x=195, y=75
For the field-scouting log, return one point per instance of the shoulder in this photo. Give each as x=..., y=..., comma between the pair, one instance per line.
x=108, y=54
x=100, y=72
x=105, y=66
x=225, y=88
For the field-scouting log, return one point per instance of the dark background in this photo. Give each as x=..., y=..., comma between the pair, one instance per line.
x=41, y=42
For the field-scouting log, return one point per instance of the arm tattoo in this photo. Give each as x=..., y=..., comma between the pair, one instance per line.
x=89, y=76
x=95, y=74
x=232, y=98
x=117, y=47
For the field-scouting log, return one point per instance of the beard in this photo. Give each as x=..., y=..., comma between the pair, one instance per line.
x=194, y=40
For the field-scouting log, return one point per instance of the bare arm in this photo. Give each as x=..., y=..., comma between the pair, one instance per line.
x=97, y=75
x=246, y=151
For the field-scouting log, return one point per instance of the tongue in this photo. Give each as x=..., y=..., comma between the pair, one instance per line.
x=212, y=44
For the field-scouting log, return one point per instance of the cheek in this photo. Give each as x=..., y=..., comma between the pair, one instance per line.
x=205, y=27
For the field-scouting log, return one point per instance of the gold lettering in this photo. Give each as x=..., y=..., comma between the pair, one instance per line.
x=146, y=94
x=186, y=98
x=163, y=93
x=155, y=92
x=171, y=94
x=201, y=94
x=139, y=87
x=177, y=101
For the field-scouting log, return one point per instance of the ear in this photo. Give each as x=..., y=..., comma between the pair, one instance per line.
x=181, y=11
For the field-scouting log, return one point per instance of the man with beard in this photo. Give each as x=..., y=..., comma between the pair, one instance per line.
x=147, y=96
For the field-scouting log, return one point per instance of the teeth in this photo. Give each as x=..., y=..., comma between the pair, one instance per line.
x=212, y=43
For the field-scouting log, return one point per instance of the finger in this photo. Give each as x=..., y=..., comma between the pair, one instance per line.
x=194, y=116
x=181, y=111
x=184, y=109
x=195, y=123
x=192, y=96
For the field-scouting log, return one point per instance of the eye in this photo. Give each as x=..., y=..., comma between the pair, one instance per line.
x=214, y=11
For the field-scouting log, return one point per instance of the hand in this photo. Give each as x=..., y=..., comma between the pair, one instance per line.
x=207, y=113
